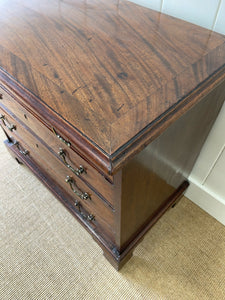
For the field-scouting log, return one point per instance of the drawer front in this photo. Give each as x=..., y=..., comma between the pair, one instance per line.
x=93, y=225
x=83, y=196
x=59, y=144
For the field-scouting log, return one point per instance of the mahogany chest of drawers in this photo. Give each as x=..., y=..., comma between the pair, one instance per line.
x=108, y=103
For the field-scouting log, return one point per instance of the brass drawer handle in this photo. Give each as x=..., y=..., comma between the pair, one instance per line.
x=77, y=191
x=11, y=127
x=77, y=171
x=61, y=138
x=89, y=217
x=22, y=151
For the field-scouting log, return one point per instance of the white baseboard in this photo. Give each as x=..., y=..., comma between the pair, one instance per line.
x=207, y=200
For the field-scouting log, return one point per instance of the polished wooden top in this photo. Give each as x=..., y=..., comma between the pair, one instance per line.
x=115, y=72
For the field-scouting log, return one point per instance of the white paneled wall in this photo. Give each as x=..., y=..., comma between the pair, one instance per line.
x=219, y=25
x=200, y=12
x=153, y=4
x=215, y=179
x=207, y=188
x=206, y=13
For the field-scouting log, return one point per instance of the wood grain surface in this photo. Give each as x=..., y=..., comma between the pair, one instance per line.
x=110, y=70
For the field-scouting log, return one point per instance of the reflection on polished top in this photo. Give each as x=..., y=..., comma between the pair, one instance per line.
x=111, y=69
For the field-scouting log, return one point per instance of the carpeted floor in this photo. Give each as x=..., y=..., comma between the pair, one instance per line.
x=46, y=254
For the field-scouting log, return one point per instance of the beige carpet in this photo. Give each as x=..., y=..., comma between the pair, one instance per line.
x=46, y=254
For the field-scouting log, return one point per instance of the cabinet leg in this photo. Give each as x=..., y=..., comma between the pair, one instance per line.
x=117, y=262
x=8, y=143
x=18, y=161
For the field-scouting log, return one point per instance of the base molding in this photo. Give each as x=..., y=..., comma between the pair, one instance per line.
x=207, y=200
